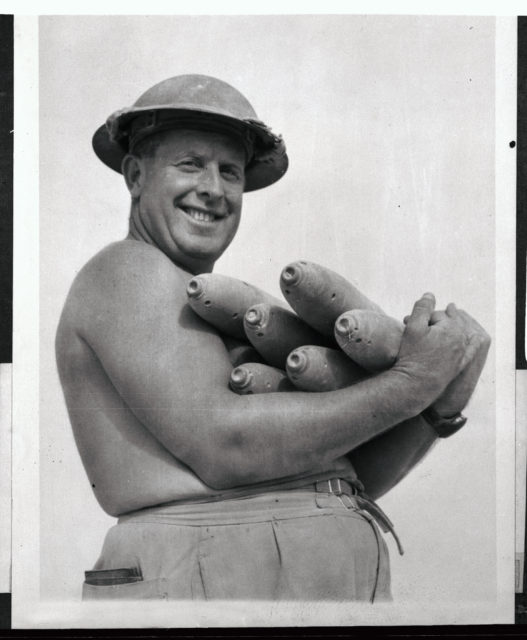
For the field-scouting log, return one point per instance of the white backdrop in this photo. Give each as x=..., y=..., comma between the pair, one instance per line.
x=389, y=125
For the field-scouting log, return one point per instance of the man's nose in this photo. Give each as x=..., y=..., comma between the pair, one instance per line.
x=210, y=183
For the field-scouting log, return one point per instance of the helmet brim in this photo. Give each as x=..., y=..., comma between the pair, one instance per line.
x=258, y=173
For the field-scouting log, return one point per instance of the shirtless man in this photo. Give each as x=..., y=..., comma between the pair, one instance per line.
x=220, y=495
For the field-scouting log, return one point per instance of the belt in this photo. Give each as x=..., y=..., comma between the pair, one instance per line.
x=355, y=489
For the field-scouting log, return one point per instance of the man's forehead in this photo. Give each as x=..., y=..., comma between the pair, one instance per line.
x=183, y=139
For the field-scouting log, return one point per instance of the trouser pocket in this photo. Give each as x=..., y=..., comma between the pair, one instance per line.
x=110, y=577
x=106, y=587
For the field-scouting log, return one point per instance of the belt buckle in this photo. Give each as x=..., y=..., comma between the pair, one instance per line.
x=341, y=487
x=363, y=503
x=341, y=493
x=338, y=491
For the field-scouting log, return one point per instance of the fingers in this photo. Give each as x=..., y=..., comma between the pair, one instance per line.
x=476, y=338
x=436, y=316
x=421, y=313
x=479, y=339
x=451, y=310
x=473, y=329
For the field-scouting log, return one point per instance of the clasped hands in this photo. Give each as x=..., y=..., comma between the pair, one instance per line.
x=451, y=343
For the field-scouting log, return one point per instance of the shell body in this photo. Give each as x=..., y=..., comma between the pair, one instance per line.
x=274, y=332
x=314, y=368
x=222, y=301
x=255, y=377
x=370, y=339
x=319, y=295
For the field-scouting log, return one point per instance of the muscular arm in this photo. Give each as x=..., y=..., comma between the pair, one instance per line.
x=172, y=371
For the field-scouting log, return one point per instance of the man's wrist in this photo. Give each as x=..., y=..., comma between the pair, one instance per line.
x=418, y=391
x=442, y=425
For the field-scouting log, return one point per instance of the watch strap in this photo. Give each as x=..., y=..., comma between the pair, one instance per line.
x=444, y=427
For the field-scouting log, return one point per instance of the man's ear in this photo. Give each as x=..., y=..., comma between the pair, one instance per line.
x=133, y=169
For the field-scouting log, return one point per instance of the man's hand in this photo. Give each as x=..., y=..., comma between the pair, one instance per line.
x=457, y=394
x=435, y=347
x=477, y=342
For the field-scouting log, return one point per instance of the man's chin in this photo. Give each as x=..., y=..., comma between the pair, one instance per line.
x=203, y=251
x=196, y=259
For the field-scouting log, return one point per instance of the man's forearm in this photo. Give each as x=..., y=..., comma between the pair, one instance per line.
x=262, y=437
x=386, y=459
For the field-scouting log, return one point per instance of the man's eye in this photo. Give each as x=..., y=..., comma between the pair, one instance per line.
x=189, y=164
x=231, y=173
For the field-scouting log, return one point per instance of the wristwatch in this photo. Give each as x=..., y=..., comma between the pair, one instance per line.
x=444, y=427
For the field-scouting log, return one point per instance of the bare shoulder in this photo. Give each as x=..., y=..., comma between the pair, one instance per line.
x=126, y=277
x=127, y=309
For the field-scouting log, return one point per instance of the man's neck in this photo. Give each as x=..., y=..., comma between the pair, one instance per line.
x=137, y=231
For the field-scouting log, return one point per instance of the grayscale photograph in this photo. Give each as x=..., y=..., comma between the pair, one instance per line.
x=267, y=324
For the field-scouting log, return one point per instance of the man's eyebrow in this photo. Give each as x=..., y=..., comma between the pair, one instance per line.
x=195, y=153
x=185, y=152
x=233, y=163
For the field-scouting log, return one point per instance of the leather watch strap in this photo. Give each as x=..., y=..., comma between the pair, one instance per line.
x=444, y=427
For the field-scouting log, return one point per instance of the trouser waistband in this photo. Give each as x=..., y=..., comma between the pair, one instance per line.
x=355, y=490
x=350, y=492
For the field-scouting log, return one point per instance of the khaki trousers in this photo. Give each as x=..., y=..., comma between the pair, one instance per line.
x=285, y=545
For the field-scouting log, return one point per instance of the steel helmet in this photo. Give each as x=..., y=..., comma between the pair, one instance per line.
x=199, y=102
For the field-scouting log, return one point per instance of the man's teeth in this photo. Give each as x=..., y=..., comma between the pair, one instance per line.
x=202, y=216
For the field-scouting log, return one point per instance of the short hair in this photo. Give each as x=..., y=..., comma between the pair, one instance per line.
x=147, y=147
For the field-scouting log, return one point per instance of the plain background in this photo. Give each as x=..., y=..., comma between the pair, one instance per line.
x=389, y=124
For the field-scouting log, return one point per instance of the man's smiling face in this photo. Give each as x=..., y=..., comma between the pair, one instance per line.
x=189, y=195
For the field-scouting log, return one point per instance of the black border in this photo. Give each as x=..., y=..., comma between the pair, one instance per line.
x=481, y=632
x=6, y=222
x=6, y=188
